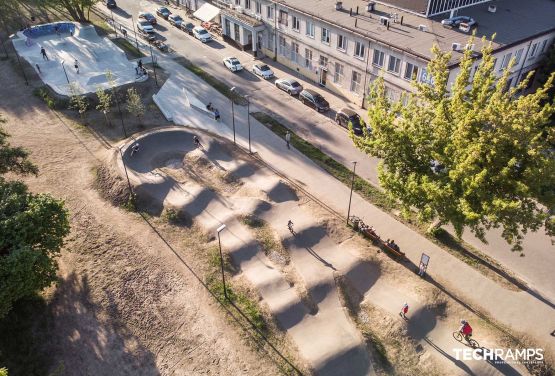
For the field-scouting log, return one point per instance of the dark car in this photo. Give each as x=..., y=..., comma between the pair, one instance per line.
x=289, y=85
x=314, y=100
x=148, y=17
x=188, y=27
x=111, y=4
x=346, y=116
x=163, y=12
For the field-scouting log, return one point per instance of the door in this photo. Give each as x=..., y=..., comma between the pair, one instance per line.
x=259, y=42
x=323, y=76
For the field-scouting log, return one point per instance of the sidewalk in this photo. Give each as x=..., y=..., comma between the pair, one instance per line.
x=519, y=310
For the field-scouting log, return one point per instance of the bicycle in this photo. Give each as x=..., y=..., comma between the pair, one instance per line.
x=459, y=337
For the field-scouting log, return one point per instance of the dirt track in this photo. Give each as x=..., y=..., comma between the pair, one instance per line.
x=124, y=304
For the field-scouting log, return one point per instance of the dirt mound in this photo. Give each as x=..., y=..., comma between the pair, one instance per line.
x=111, y=186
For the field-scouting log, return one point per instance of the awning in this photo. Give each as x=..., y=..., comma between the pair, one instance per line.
x=207, y=12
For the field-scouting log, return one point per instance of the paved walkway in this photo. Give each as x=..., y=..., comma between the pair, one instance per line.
x=522, y=311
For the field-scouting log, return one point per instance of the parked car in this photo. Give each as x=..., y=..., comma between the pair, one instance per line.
x=175, y=20
x=148, y=17
x=233, y=64
x=289, y=85
x=202, y=34
x=346, y=116
x=145, y=26
x=111, y=4
x=455, y=22
x=188, y=27
x=163, y=12
x=263, y=70
x=314, y=100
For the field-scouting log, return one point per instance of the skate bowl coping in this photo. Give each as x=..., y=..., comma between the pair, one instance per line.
x=50, y=28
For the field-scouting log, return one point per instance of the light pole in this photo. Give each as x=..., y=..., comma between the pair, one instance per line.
x=351, y=195
x=218, y=230
x=64, y=68
x=114, y=23
x=249, y=121
x=233, y=115
x=135, y=31
x=153, y=65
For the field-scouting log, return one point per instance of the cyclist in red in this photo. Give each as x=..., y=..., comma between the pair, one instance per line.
x=466, y=330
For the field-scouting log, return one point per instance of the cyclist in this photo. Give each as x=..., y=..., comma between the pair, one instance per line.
x=290, y=225
x=465, y=330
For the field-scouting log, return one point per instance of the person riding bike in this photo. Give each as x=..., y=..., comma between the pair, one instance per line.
x=290, y=225
x=465, y=330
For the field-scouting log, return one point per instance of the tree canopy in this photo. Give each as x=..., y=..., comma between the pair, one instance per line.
x=32, y=226
x=476, y=154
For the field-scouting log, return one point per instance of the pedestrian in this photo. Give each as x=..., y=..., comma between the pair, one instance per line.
x=135, y=148
x=140, y=64
x=38, y=68
x=197, y=142
x=404, y=311
x=216, y=114
x=43, y=53
x=124, y=32
x=76, y=65
x=288, y=139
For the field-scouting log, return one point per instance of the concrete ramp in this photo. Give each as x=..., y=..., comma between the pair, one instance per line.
x=87, y=32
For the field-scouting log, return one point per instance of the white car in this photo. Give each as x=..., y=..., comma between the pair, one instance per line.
x=233, y=64
x=145, y=26
x=202, y=34
x=263, y=71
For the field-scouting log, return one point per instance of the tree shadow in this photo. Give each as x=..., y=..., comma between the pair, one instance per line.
x=281, y=192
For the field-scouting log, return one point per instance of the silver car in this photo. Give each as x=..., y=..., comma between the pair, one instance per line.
x=289, y=85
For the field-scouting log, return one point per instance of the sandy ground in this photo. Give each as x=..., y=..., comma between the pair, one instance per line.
x=124, y=304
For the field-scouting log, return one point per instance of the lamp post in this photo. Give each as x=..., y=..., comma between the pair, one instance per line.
x=114, y=23
x=218, y=230
x=249, y=121
x=153, y=65
x=233, y=116
x=64, y=68
x=135, y=31
x=351, y=195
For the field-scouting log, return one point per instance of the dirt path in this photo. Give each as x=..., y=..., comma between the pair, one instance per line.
x=125, y=305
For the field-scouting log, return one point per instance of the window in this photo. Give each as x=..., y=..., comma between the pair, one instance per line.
x=294, y=52
x=310, y=29
x=355, y=82
x=296, y=23
x=236, y=32
x=411, y=71
x=283, y=17
x=505, y=61
x=247, y=4
x=258, y=7
x=325, y=36
x=518, y=55
x=341, y=42
x=270, y=12
x=282, y=46
x=378, y=58
x=237, y=2
x=323, y=61
x=308, y=58
x=227, y=27
x=360, y=49
x=544, y=43
x=394, y=64
x=338, y=74
x=533, y=50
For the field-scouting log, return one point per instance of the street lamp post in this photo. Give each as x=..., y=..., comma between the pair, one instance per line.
x=135, y=31
x=114, y=23
x=218, y=230
x=351, y=195
x=233, y=115
x=64, y=68
x=249, y=121
x=153, y=65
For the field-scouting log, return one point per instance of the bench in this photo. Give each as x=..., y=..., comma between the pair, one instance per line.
x=392, y=251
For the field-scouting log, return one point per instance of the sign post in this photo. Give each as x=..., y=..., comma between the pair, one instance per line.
x=424, y=261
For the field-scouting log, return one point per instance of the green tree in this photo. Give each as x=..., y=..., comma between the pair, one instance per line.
x=104, y=103
x=78, y=9
x=547, y=67
x=78, y=102
x=3, y=371
x=475, y=155
x=14, y=159
x=135, y=105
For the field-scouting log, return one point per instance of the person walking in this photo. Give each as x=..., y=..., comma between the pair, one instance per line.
x=76, y=65
x=140, y=64
x=43, y=53
x=288, y=139
x=404, y=311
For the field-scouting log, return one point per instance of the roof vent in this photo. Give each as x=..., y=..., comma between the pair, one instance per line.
x=422, y=27
x=469, y=47
x=338, y=5
x=492, y=8
x=371, y=6
x=456, y=46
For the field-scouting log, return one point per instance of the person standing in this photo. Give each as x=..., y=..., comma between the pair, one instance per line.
x=404, y=311
x=216, y=114
x=76, y=65
x=135, y=148
x=140, y=64
x=197, y=142
x=43, y=53
x=288, y=139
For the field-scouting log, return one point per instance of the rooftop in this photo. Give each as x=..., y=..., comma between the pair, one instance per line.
x=533, y=17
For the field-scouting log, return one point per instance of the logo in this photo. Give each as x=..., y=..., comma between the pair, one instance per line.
x=501, y=356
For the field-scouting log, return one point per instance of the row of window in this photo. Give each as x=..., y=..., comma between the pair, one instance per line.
x=534, y=51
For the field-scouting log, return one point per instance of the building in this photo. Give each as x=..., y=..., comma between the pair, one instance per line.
x=343, y=45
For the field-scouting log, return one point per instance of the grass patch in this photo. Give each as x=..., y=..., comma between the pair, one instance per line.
x=53, y=103
x=333, y=167
x=131, y=51
x=212, y=81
